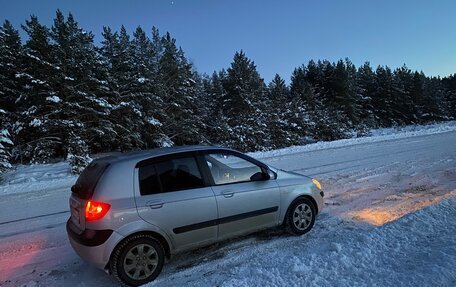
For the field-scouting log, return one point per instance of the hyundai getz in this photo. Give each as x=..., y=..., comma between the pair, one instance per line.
x=132, y=211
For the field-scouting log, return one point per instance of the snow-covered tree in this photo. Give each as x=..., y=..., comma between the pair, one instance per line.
x=79, y=86
x=245, y=94
x=78, y=154
x=217, y=129
x=35, y=140
x=366, y=87
x=5, y=145
x=382, y=99
x=62, y=96
x=180, y=89
x=11, y=88
x=282, y=128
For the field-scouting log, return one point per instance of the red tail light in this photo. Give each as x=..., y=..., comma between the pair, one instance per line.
x=96, y=210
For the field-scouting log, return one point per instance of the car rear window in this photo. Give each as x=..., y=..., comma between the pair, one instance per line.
x=87, y=181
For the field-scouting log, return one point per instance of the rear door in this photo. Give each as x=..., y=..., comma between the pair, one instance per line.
x=172, y=194
x=245, y=201
x=82, y=191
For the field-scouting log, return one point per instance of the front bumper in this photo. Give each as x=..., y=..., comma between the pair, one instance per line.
x=93, y=246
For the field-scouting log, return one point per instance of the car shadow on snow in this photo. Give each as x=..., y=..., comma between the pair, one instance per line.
x=218, y=250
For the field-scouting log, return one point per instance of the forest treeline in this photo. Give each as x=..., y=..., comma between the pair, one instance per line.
x=64, y=96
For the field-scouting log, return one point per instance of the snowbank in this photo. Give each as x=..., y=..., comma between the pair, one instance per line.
x=376, y=135
x=37, y=177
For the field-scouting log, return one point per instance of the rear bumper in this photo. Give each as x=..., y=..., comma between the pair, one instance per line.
x=88, y=237
x=93, y=246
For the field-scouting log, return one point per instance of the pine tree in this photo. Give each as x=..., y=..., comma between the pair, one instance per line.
x=403, y=108
x=340, y=95
x=382, y=99
x=180, y=86
x=79, y=109
x=244, y=95
x=10, y=66
x=5, y=144
x=126, y=111
x=217, y=128
x=434, y=104
x=366, y=87
x=310, y=90
x=449, y=85
x=35, y=140
x=10, y=88
x=146, y=90
x=280, y=132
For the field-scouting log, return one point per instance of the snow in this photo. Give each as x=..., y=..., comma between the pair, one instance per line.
x=36, y=123
x=36, y=178
x=376, y=135
x=389, y=221
x=153, y=121
x=5, y=137
x=337, y=253
x=54, y=99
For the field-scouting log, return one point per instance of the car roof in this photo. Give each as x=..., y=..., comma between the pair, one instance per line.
x=145, y=154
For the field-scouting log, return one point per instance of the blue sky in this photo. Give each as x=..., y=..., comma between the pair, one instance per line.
x=277, y=35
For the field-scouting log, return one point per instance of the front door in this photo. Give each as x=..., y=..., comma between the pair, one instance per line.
x=245, y=202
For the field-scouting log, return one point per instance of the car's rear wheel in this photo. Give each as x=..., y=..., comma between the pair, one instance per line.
x=300, y=216
x=137, y=260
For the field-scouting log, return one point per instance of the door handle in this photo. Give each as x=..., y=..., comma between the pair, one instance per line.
x=154, y=204
x=228, y=193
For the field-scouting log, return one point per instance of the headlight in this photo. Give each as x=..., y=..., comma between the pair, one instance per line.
x=317, y=183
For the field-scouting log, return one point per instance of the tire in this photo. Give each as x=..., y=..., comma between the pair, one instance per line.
x=137, y=260
x=300, y=216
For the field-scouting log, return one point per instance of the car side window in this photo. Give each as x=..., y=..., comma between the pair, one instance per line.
x=227, y=168
x=170, y=175
x=148, y=180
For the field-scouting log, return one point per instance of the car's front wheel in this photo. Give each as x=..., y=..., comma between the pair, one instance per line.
x=300, y=217
x=137, y=260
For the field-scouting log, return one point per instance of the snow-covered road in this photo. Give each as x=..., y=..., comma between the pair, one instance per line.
x=376, y=228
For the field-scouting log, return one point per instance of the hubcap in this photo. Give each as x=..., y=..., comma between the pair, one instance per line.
x=140, y=261
x=302, y=216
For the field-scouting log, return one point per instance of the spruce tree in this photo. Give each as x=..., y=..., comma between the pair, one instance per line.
x=146, y=89
x=126, y=114
x=78, y=88
x=404, y=106
x=244, y=95
x=382, y=98
x=36, y=130
x=217, y=128
x=11, y=88
x=280, y=132
x=449, y=86
x=180, y=87
x=5, y=144
x=366, y=87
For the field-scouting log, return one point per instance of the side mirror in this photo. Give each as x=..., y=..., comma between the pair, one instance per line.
x=260, y=176
x=271, y=174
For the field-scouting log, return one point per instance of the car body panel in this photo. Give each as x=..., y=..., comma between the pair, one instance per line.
x=97, y=256
x=178, y=213
x=189, y=218
x=246, y=207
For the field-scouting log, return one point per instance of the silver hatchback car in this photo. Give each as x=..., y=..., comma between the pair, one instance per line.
x=131, y=212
